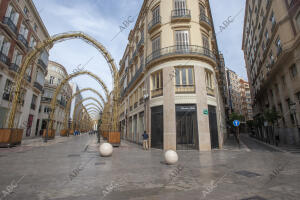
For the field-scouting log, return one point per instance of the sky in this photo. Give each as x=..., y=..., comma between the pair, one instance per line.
x=102, y=20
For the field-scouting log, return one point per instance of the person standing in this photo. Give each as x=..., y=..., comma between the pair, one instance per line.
x=145, y=140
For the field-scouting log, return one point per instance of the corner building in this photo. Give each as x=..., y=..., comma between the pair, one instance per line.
x=169, y=78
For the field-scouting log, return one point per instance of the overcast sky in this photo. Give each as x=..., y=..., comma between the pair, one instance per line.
x=102, y=20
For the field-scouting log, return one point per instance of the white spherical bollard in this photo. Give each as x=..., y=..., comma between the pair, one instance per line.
x=106, y=149
x=171, y=157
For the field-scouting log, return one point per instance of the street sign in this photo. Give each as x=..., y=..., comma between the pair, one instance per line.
x=205, y=111
x=236, y=123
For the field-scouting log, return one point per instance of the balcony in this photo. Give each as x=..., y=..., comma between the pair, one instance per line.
x=38, y=86
x=4, y=59
x=6, y=96
x=32, y=106
x=14, y=67
x=130, y=108
x=28, y=78
x=136, y=76
x=210, y=91
x=156, y=92
x=205, y=21
x=46, y=99
x=184, y=89
x=10, y=24
x=23, y=40
x=154, y=24
x=181, y=15
x=191, y=50
x=140, y=43
x=135, y=104
x=141, y=100
x=42, y=64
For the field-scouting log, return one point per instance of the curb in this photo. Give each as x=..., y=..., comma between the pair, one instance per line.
x=268, y=145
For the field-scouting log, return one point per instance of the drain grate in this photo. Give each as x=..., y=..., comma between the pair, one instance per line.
x=100, y=163
x=254, y=198
x=74, y=155
x=247, y=173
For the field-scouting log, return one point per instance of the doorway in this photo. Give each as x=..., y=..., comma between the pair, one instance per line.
x=213, y=127
x=186, y=127
x=29, y=124
x=157, y=127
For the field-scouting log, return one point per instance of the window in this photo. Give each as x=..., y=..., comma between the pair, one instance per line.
x=32, y=42
x=202, y=10
x=35, y=27
x=180, y=6
x=7, y=89
x=26, y=11
x=182, y=40
x=157, y=84
x=293, y=71
x=278, y=45
x=17, y=58
x=184, y=79
x=51, y=80
x=208, y=79
x=24, y=31
x=12, y=14
x=4, y=46
x=156, y=15
x=156, y=47
x=271, y=58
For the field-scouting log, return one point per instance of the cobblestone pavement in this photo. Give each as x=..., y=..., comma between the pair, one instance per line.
x=71, y=168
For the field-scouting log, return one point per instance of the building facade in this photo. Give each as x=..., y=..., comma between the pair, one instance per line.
x=239, y=97
x=171, y=79
x=271, y=49
x=56, y=73
x=75, y=101
x=21, y=28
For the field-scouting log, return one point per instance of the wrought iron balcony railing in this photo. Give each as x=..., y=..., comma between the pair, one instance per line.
x=140, y=43
x=135, y=104
x=177, y=50
x=141, y=100
x=155, y=21
x=10, y=23
x=205, y=19
x=40, y=62
x=181, y=13
x=14, y=67
x=46, y=99
x=28, y=78
x=136, y=75
x=23, y=40
x=38, y=86
x=4, y=59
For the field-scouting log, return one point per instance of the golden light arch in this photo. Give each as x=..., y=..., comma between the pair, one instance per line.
x=93, y=104
x=67, y=111
x=48, y=44
x=79, y=103
x=71, y=76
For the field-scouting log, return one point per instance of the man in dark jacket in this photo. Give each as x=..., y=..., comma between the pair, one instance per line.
x=145, y=140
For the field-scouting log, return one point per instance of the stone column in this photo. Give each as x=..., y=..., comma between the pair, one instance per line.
x=169, y=110
x=203, y=121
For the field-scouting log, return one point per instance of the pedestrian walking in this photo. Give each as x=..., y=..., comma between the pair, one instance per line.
x=145, y=140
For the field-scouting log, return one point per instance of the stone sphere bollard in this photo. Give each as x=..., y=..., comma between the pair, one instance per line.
x=106, y=149
x=171, y=157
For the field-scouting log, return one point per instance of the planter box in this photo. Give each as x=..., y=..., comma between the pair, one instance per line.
x=10, y=137
x=64, y=133
x=114, y=138
x=105, y=134
x=51, y=134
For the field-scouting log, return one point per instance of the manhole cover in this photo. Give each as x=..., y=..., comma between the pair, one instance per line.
x=100, y=163
x=74, y=155
x=247, y=173
x=254, y=198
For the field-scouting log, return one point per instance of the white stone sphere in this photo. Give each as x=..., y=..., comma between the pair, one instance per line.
x=106, y=149
x=171, y=157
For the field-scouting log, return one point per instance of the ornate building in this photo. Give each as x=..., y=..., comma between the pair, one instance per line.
x=271, y=45
x=21, y=28
x=172, y=79
x=56, y=73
